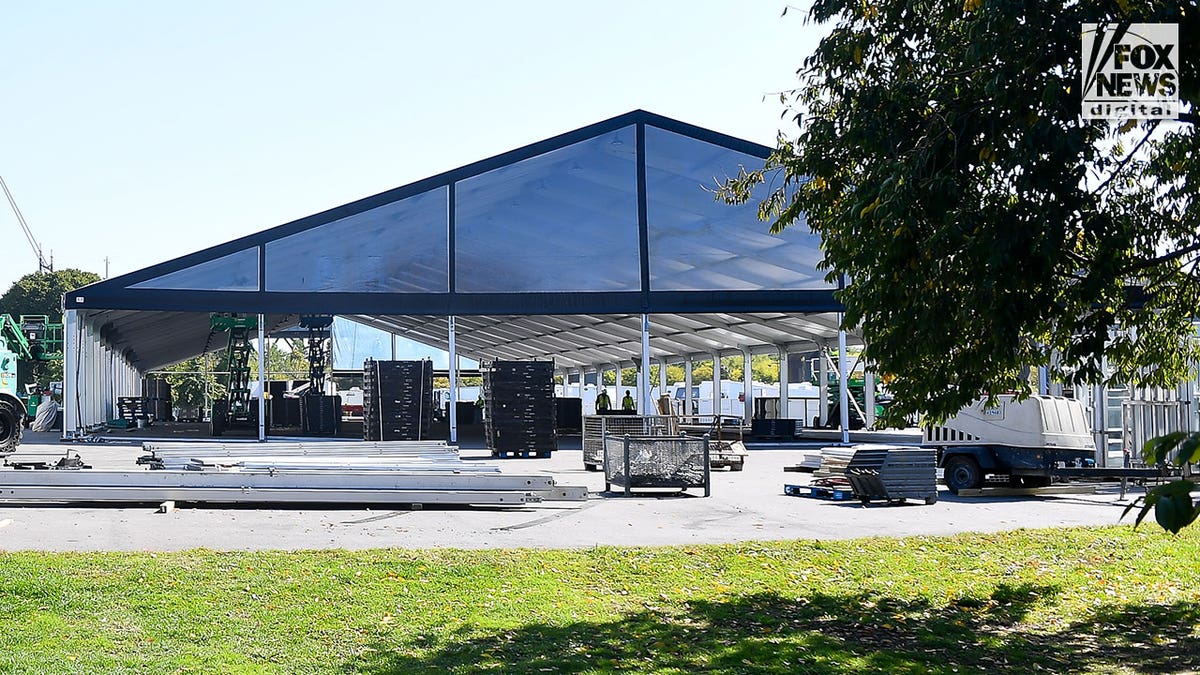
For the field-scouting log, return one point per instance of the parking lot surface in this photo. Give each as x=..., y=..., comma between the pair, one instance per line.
x=747, y=505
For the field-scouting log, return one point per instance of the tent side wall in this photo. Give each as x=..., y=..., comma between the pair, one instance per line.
x=95, y=375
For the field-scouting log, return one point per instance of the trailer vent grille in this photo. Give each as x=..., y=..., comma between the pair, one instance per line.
x=947, y=435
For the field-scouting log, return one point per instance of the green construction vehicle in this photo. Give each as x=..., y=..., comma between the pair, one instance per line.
x=26, y=340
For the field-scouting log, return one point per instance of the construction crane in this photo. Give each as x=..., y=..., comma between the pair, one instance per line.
x=43, y=264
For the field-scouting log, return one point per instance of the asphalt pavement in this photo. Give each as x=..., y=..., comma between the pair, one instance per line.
x=744, y=506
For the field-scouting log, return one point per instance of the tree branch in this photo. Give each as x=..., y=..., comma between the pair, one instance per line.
x=1128, y=158
x=1154, y=262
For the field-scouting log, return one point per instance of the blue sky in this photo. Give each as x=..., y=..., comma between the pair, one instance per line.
x=142, y=131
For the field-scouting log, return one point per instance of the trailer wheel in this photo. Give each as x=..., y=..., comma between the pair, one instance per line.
x=963, y=473
x=10, y=427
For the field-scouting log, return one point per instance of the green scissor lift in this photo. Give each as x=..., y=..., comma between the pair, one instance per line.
x=237, y=408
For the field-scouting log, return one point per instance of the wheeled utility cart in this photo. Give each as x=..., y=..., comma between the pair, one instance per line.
x=635, y=462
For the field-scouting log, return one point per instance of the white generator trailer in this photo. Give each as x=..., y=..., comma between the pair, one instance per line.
x=1027, y=443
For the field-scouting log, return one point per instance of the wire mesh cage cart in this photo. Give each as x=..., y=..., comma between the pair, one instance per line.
x=597, y=427
x=633, y=462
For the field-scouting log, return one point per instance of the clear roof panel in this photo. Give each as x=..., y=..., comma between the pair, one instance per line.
x=401, y=247
x=234, y=272
x=562, y=221
x=698, y=243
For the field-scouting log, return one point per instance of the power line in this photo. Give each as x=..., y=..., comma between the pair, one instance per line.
x=43, y=266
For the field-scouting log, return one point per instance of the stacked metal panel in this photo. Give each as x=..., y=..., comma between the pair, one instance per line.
x=834, y=461
x=519, y=409
x=397, y=400
x=893, y=473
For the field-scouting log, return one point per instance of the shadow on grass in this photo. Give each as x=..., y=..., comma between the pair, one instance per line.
x=816, y=634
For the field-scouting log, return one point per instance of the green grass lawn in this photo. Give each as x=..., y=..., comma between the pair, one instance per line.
x=1107, y=600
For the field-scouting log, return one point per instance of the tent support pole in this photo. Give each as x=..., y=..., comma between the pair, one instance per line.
x=747, y=386
x=643, y=402
x=262, y=382
x=716, y=392
x=453, y=380
x=70, y=373
x=783, y=382
x=689, y=407
x=843, y=385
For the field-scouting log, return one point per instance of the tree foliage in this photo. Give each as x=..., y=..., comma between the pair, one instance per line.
x=282, y=364
x=41, y=292
x=193, y=382
x=979, y=222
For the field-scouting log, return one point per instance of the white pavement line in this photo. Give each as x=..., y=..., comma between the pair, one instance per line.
x=6, y=522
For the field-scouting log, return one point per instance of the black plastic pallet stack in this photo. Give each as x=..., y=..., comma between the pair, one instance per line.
x=397, y=400
x=519, y=408
x=134, y=408
x=320, y=415
x=775, y=429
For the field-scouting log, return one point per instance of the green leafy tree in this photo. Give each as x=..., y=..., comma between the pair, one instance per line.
x=978, y=222
x=193, y=382
x=282, y=364
x=765, y=368
x=40, y=293
x=674, y=374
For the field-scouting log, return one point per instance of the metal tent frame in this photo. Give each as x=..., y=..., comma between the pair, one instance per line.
x=602, y=247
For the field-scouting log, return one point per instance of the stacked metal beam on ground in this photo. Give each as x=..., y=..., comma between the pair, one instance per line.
x=811, y=463
x=381, y=473
x=834, y=461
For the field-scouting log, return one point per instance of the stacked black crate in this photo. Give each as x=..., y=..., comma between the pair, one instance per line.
x=397, y=400
x=320, y=415
x=134, y=408
x=519, y=408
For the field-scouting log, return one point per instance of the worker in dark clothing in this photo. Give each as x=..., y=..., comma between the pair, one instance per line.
x=603, y=405
x=627, y=403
